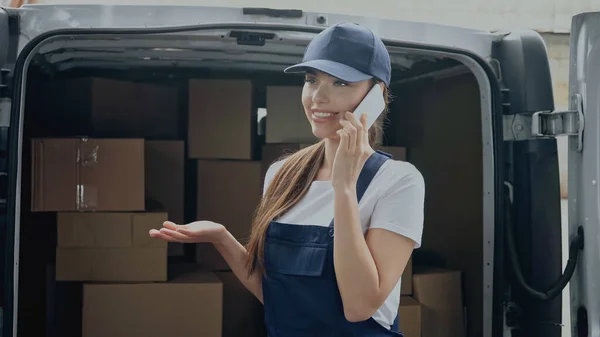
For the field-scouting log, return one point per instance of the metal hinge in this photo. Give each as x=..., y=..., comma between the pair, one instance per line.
x=560, y=123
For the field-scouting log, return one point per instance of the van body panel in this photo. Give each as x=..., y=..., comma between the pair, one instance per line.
x=584, y=173
x=39, y=19
x=532, y=190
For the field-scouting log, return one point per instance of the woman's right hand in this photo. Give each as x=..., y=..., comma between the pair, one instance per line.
x=197, y=231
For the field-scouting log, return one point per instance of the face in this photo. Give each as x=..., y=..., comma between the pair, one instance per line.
x=326, y=99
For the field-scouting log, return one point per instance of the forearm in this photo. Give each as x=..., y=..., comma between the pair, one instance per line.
x=355, y=268
x=235, y=255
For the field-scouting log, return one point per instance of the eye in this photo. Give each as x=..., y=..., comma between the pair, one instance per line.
x=340, y=83
x=310, y=80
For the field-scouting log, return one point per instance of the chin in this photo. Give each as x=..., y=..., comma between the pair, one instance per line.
x=325, y=134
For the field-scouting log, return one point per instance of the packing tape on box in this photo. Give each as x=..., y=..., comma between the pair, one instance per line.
x=87, y=158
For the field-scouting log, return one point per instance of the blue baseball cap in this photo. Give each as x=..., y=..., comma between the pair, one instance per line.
x=349, y=52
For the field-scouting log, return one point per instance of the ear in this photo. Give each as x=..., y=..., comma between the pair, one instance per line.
x=382, y=86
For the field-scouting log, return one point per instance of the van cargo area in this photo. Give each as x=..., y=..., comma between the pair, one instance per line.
x=123, y=132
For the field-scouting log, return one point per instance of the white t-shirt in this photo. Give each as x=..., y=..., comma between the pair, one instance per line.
x=394, y=201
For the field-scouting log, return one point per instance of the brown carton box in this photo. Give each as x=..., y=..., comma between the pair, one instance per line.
x=228, y=193
x=243, y=314
x=222, y=121
x=406, y=287
x=109, y=229
x=165, y=167
x=440, y=293
x=286, y=119
x=110, y=247
x=113, y=108
x=189, y=306
x=410, y=317
x=111, y=264
x=81, y=174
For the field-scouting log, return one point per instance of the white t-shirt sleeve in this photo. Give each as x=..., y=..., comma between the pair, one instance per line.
x=401, y=207
x=270, y=174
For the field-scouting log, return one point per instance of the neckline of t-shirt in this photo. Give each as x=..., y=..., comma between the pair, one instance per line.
x=321, y=183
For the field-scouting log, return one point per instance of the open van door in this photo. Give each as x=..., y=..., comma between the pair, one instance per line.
x=532, y=236
x=9, y=39
x=584, y=171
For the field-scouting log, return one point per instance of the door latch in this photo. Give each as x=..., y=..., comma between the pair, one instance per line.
x=560, y=123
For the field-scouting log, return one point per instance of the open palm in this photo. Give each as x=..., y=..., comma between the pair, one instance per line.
x=197, y=231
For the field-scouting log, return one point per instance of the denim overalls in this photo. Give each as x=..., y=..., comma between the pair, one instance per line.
x=300, y=292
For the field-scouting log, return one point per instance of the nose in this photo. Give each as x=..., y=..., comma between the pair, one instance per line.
x=320, y=95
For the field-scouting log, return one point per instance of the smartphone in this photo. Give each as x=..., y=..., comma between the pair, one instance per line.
x=372, y=105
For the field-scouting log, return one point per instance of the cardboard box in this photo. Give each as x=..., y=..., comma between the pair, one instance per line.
x=243, y=314
x=286, y=119
x=222, y=121
x=102, y=107
x=129, y=109
x=406, y=287
x=110, y=247
x=165, y=167
x=440, y=293
x=95, y=230
x=84, y=174
x=410, y=317
x=189, y=306
x=228, y=193
x=111, y=264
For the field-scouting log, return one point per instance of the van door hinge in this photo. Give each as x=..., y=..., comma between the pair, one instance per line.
x=560, y=123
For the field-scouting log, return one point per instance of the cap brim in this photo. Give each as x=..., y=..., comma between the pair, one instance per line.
x=335, y=69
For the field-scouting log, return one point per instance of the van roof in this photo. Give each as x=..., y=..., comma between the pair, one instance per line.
x=37, y=19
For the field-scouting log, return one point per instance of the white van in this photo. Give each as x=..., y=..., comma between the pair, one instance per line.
x=475, y=108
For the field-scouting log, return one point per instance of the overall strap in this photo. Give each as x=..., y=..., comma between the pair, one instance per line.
x=368, y=172
x=396, y=324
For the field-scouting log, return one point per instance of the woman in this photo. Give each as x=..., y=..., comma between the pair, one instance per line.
x=317, y=277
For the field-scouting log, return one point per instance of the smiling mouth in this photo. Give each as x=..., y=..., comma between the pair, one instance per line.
x=320, y=114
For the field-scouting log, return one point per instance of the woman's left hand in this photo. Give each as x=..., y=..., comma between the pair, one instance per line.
x=352, y=153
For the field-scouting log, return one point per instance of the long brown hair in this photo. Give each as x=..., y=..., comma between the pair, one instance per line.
x=290, y=184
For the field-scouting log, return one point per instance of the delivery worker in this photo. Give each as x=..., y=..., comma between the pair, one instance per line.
x=338, y=221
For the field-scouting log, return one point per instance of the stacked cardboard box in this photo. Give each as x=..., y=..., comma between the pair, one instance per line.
x=221, y=141
x=111, y=247
x=435, y=308
x=107, y=194
x=439, y=291
x=85, y=174
x=187, y=306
